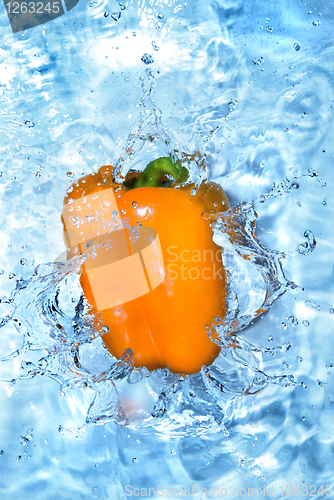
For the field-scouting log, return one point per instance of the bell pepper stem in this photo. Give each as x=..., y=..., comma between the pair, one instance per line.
x=153, y=173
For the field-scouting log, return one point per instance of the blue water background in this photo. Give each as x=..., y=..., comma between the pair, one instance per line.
x=263, y=74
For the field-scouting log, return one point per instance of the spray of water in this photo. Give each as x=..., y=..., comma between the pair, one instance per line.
x=53, y=317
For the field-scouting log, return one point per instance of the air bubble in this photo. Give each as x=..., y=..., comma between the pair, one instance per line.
x=135, y=460
x=324, y=203
x=134, y=204
x=286, y=129
x=316, y=23
x=304, y=115
x=298, y=204
x=296, y=46
x=29, y=124
x=106, y=14
x=147, y=58
x=123, y=211
x=269, y=30
x=306, y=323
x=160, y=16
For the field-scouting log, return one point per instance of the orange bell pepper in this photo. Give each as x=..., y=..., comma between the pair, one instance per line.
x=164, y=324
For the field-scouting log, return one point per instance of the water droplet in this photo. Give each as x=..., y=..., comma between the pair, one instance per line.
x=313, y=304
x=147, y=58
x=233, y=104
x=296, y=46
x=134, y=204
x=193, y=192
x=286, y=129
x=307, y=247
x=293, y=320
x=306, y=323
x=116, y=16
x=316, y=23
x=154, y=45
x=135, y=460
x=258, y=61
x=304, y=115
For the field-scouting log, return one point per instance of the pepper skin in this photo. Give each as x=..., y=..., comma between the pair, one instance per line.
x=166, y=327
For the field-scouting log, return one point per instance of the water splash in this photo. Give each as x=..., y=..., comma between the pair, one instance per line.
x=53, y=317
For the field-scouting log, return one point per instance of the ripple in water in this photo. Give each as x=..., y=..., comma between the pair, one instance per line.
x=53, y=317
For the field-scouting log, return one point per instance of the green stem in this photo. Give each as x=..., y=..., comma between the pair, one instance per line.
x=151, y=176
